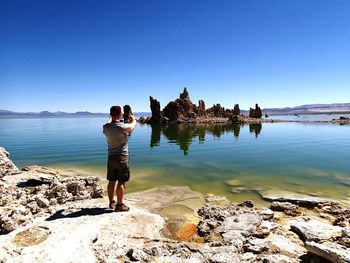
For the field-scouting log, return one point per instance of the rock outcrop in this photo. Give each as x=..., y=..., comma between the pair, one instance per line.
x=236, y=110
x=37, y=190
x=201, y=108
x=255, y=113
x=183, y=110
x=7, y=167
x=157, y=115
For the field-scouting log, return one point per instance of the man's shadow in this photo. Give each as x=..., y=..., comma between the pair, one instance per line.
x=83, y=212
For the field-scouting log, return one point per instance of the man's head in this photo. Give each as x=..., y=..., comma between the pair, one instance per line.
x=115, y=111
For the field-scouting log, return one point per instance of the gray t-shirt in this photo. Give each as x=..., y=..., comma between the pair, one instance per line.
x=117, y=138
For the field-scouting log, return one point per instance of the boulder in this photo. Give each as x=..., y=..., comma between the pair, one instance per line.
x=329, y=250
x=256, y=245
x=315, y=230
x=7, y=167
x=244, y=223
x=281, y=244
x=345, y=239
x=287, y=208
x=295, y=198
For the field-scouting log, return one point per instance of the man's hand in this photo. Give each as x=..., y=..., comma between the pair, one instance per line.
x=131, y=118
x=130, y=126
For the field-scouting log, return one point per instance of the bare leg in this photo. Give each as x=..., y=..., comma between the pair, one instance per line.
x=110, y=190
x=120, y=192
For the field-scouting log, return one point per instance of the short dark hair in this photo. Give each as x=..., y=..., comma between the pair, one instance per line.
x=115, y=111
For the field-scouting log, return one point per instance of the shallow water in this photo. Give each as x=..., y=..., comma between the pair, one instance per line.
x=301, y=157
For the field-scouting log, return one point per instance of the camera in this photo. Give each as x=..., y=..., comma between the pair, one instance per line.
x=127, y=113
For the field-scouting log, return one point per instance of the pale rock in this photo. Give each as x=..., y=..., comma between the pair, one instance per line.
x=7, y=167
x=315, y=230
x=282, y=245
x=329, y=250
x=53, y=201
x=225, y=257
x=209, y=250
x=346, y=232
x=33, y=207
x=264, y=229
x=256, y=245
x=295, y=198
x=282, y=206
x=267, y=214
x=234, y=238
x=345, y=239
x=31, y=236
x=245, y=223
x=42, y=202
x=137, y=255
x=216, y=200
x=278, y=259
x=159, y=197
x=248, y=257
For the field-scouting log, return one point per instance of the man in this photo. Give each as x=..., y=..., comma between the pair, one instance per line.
x=116, y=133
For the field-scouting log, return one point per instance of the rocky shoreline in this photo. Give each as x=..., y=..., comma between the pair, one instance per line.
x=52, y=215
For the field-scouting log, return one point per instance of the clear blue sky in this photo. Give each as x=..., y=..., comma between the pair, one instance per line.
x=87, y=55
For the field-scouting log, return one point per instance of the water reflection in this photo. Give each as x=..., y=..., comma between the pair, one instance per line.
x=184, y=134
x=255, y=128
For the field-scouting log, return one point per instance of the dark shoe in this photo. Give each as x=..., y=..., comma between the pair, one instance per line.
x=121, y=208
x=112, y=204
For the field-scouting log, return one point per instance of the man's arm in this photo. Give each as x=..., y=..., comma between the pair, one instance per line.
x=129, y=127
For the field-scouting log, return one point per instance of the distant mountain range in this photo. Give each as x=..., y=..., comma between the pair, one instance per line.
x=310, y=109
x=341, y=108
x=58, y=114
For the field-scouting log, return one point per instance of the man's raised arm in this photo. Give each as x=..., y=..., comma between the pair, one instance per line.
x=129, y=127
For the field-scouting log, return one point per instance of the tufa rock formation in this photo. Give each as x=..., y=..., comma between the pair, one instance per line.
x=255, y=113
x=183, y=110
x=155, y=108
x=236, y=110
x=201, y=108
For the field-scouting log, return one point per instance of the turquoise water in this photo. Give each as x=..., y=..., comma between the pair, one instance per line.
x=301, y=157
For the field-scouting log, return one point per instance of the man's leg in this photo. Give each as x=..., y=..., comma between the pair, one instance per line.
x=110, y=190
x=120, y=192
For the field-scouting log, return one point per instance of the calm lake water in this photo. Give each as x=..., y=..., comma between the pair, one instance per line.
x=302, y=157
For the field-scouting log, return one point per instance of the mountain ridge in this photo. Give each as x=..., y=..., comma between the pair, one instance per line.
x=57, y=114
x=318, y=108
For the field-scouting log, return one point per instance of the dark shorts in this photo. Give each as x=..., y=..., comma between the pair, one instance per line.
x=118, y=168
